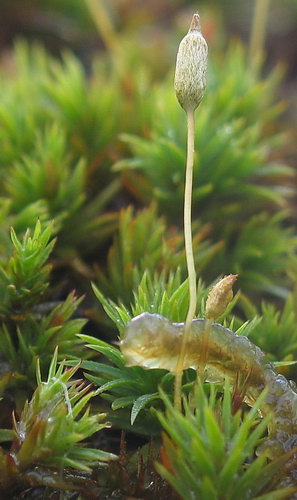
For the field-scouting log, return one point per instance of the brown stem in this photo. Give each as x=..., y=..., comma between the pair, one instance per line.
x=259, y=27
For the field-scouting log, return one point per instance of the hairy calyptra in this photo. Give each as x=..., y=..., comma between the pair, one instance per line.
x=191, y=66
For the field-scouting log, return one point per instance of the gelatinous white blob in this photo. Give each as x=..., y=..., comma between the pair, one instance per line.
x=152, y=341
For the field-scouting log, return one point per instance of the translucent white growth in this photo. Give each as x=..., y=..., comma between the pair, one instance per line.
x=152, y=341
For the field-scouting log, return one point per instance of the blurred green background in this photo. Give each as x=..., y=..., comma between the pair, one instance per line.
x=88, y=27
x=69, y=23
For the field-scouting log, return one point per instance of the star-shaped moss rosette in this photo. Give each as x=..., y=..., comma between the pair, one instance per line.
x=51, y=428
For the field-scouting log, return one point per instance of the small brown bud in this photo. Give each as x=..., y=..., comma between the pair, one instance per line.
x=219, y=297
x=191, y=66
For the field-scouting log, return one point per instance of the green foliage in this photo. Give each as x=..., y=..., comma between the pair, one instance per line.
x=24, y=277
x=233, y=150
x=260, y=254
x=54, y=148
x=143, y=243
x=47, y=174
x=164, y=294
x=208, y=448
x=275, y=332
x=238, y=90
x=62, y=95
x=21, y=221
x=29, y=326
x=38, y=333
x=51, y=428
